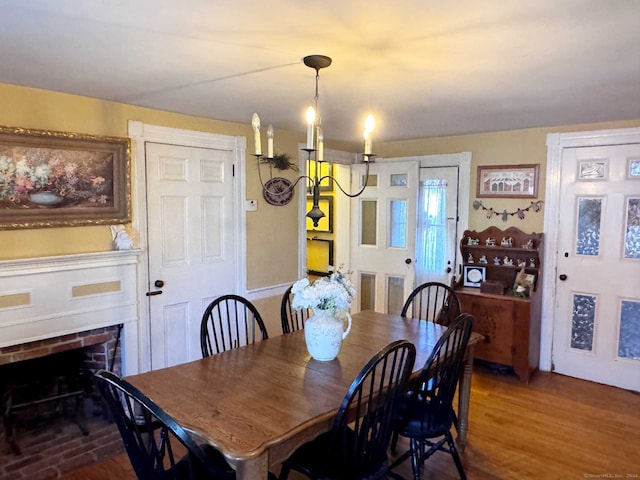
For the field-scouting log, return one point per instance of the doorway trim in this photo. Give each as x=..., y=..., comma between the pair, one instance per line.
x=556, y=143
x=140, y=134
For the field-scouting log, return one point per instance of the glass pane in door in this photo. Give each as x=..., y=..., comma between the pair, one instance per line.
x=629, y=339
x=632, y=233
x=588, y=231
x=395, y=295
x=368, y=222
x=372, y=181
x=398, y=180
x=367, y=291
x=398, y=223
x=583, y=322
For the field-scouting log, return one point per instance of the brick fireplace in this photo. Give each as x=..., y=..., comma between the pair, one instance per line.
x=62, y=319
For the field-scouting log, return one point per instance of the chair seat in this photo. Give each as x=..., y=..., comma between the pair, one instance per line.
x=426, y=420
x=311, y=459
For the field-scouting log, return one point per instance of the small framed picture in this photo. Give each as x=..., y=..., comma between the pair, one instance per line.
x=507, y=181
x=473, y=275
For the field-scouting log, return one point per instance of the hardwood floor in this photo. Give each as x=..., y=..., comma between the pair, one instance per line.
x=555, y=427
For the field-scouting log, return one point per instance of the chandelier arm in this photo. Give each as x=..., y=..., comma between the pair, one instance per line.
x=351, y=195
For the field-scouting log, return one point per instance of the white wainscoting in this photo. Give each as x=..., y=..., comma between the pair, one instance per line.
x=52, y=296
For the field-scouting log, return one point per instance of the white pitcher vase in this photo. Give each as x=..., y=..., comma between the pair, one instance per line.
x=324, y=333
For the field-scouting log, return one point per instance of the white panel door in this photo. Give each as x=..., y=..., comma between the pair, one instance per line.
x=192, y=260
x=383, y=232
x=597, y=327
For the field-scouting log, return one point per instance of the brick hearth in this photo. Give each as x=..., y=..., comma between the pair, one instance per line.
x=59, y=449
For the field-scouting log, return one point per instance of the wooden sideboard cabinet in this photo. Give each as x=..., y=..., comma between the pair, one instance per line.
x=510, y=324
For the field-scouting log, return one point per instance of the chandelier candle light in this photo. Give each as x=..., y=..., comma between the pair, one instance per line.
x=314, y=145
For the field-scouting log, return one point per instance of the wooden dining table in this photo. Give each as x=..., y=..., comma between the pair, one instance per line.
x=258, y=403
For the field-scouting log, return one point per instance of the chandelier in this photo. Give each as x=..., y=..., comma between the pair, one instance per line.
x=314, y=149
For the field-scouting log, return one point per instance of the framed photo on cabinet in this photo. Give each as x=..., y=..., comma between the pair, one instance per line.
x=473, y=275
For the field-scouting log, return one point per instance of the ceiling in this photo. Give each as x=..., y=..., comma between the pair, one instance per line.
x=422, y=67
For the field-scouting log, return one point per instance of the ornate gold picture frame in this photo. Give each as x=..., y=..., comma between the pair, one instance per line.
x=54, y=179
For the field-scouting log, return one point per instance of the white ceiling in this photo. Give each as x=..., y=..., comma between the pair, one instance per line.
x=422, y=67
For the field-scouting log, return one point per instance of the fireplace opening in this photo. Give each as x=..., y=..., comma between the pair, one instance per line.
x=42, y=381
x=38, y=389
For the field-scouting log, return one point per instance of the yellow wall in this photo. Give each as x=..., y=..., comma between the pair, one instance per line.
x=271, y=231
x=494, y=148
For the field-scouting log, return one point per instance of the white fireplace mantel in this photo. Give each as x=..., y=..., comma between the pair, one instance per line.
x=47, y=297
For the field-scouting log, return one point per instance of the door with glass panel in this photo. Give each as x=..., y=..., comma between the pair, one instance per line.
x=383, y=235
x=597, y=327
x=437, y=218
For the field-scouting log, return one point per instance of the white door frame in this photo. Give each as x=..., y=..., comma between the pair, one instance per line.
x=141, y=133
x=556, y=142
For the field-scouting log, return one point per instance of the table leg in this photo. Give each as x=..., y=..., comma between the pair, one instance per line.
x=464, y=395
x=254, y=469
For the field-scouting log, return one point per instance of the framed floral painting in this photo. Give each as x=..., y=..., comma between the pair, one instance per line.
x=54, y=179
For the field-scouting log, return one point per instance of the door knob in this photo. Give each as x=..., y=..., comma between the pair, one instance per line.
x=408, y=261
x=158, y=284
x=448, y=270
x=562, y=277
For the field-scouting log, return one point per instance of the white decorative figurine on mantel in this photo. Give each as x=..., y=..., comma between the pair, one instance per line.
x=120, y=237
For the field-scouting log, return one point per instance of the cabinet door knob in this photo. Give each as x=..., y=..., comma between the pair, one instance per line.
x=408, y=261
x=562, y=277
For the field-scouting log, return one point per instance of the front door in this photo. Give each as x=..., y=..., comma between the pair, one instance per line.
x=597, y=327
x=191, y=241
x=383, y=233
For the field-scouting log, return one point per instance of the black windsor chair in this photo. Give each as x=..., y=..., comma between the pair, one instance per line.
x=229, y=322
x=426, y=411
x=356, y=446
x=434, y=302
x=153, y=439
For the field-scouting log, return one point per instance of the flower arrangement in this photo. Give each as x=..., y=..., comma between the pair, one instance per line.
x=332, y=294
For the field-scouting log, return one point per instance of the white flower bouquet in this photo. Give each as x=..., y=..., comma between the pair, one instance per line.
x=332, y=294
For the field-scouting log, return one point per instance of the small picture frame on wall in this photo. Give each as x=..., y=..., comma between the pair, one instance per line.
x=473, y=275
x=507, y=181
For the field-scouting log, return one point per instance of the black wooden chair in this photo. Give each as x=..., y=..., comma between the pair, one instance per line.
x=229, y=322
x=356, y=446
x=434, y=302
x=425, y=414
x=292, y=319
x=154, y=440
